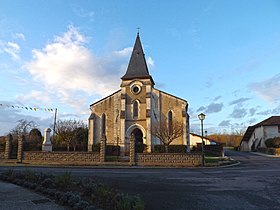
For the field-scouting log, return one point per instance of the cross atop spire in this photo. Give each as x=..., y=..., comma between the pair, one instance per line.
x=137, y=67
x=138, y=30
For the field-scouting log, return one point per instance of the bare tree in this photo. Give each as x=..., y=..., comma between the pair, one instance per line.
x=66, y=132
x=35, y=136
x=166, y=133
x=23, y=127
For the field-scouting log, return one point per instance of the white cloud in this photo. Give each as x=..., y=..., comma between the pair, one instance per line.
x=150, y=62
x=19, y=36
x=268, y=89
x=35, y=96
x=11, y=48
x=69, y=69
x=80, y=12
x=123, y=53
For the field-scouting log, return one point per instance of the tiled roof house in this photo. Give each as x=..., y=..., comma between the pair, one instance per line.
x=256, y=135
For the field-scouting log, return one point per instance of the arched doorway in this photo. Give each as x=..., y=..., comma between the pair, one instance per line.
x=138, y=135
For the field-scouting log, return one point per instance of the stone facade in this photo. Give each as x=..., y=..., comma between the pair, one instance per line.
x=2, y=155
x=166, y=159
x=86, y=158
x=135, y=109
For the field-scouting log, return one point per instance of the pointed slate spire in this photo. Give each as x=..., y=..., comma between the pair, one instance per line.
x=137, y=67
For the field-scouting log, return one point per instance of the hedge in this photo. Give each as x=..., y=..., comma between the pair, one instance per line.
x=171, y=148
x=273, y=142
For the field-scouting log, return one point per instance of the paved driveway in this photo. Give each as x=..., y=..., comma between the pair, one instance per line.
x=254, y=184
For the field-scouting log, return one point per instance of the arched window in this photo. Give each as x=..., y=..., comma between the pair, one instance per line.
x=103, y=124
x=170, y=120
x=135, y=109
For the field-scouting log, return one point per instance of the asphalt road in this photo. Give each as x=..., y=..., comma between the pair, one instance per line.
x=253, y=184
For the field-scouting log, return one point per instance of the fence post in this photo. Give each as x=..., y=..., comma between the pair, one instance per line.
x=132, y=150
x=20, y=148
x=102, y=148
x=8, y=147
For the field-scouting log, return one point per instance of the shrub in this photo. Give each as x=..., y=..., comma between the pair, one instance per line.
x=140, y=148
x=30, y=176
x=112, y=150
x=81, y=205
x=64, y=181
x=273, y=142
x=171, y=148
x=159, y=148
x=48, y=183
x=96, y=147
x=177, y=148
x=137, y=203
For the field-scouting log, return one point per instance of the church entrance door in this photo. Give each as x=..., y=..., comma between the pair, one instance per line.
x=139, y=146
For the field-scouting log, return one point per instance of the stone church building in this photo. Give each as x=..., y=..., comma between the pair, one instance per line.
x=135, y=109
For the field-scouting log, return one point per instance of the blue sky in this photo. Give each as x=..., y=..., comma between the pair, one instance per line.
x=221, y=56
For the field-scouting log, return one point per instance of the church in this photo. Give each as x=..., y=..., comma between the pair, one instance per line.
x=135, y=109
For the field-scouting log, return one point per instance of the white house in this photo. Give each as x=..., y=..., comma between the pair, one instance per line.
x=256, y=135
x=196, y=139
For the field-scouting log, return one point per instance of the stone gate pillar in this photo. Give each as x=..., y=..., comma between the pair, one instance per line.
x=102, y=148
x=47, y=144
x=20, y=148
x=132, y=150
x=8, y=148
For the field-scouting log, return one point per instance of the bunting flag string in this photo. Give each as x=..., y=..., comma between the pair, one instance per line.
x=27, y=108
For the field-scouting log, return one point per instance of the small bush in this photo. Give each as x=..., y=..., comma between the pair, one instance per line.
x=140, y=148
x=177, y=148
x=64, y=181
x=273, y=142
x=159, y=148
x=96, y=148
x=81, y=205
x=48, y=183
x=171, y=148
x=30, y=176
x=112, y=150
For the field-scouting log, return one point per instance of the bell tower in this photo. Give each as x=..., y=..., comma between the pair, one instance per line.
x=136, y=88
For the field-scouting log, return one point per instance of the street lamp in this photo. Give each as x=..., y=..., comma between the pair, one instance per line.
x=201, y=116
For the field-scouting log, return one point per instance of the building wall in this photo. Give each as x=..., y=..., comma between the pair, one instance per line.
x=154, y=106
x=259, y=136
x=194, y=139
x=110, y=106
x=177, y=106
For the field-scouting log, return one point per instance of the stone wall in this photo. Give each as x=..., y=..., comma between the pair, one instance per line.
x=166, y=159
x=86, y=158
x=2, y=155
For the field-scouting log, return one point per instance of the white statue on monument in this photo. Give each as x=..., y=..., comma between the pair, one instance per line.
x=47, y=144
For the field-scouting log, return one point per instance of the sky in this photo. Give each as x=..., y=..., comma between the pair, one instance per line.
x=223, y=57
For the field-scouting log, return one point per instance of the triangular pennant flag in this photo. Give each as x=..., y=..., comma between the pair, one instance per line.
x=26, y=108
x=30, y=108
x=35, y=109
